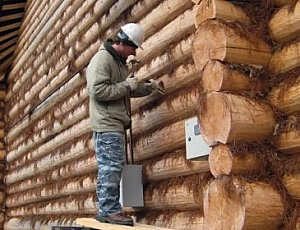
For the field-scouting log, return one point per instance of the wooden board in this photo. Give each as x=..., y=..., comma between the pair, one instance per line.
x=92, y=223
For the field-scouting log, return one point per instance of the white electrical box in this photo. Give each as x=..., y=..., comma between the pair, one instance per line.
x=131, y=186
x=196, y=147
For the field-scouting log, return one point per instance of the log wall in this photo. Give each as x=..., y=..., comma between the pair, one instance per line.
x=51, y=170
x=248, y=111
x=2, y=156
x=238, y=72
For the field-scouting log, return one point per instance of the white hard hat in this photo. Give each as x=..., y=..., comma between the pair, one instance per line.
x=133, y=32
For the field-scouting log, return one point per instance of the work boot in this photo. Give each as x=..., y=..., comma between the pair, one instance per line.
x=115, y=219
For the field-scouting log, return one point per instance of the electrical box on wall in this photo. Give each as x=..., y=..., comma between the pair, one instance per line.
x=196, y=147
x=131, y=186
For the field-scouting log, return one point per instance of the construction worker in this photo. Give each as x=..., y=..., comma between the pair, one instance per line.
x=110, y=87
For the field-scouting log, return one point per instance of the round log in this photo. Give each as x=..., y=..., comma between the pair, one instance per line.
x=216, y=40
x=188, y=220
x=285, y=60
x=284, y=26
x=234, y=203
x=172, y=165
x=226, y=118
x=291, y=182
x=288, y=142
x=222, y=160
x=167, y=139
x=216, y=9
x=286, y=97
x=291, y=176
x=218, y=76
x=183, y=104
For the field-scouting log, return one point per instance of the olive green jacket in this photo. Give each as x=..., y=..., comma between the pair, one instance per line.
x=109, y=93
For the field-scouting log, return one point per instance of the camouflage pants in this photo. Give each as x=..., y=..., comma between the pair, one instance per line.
x=110, y=154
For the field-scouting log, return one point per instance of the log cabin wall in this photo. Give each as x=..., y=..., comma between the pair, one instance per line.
x=51, y=171
x=210, y=69
x=249, y=112
x=2, y=157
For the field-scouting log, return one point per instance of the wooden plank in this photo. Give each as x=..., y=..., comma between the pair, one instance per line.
x=12, y=34
x=10, y=26
x=92, y=223
x=10, y=17
x=13, y=6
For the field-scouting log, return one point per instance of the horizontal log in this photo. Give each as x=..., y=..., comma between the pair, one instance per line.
x=234, y=203
x=73, y=186
x=59, y=140
x=39, y=34
x=167, y=139
x=172, y=33
x=285, y=97
x=17, y=224
x=288, y=141
x=290, y=182
x=218, y=76
x=185, y=193
x=223, y=43
x=46, y=107
x=66, y=206
x=283, y=26
x=113, y=12
x=70, y=169
x=183, y=76
x=25, y=150
x=161, y=64
x=162, y=15
x=219, y=9
x=183, y=104
x=227, y=118
x=47, y=162
x=138, y=12
x=223, y=160
x=176, y=220
x=285, y=60
x=171, y=165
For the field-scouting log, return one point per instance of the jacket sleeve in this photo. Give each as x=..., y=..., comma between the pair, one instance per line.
x=99, y=80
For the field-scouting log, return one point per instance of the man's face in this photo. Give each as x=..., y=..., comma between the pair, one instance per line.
x=128, y=50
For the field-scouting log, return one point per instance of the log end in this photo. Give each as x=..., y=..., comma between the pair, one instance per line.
x=220, y=160
x=212, y=77
x=223, y=205
x=215, y=119
x=208, y=43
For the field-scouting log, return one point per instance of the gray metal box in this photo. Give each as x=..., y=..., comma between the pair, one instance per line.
x=131, y=186
x=196, y=147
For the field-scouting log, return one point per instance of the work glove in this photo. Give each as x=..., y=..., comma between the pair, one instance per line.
x=151, y=84
x=132, y=82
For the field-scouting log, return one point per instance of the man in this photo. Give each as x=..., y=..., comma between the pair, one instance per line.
x=110, y=88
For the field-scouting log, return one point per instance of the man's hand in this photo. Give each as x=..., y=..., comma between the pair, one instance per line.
x=151, y=84
x=132, y=82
